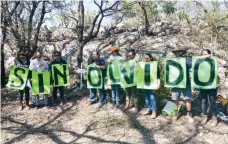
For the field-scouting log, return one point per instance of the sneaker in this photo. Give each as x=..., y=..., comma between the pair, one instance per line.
x=147, y=113
x=100, y=105
x=176, y=116
x=204, y=119
x=20, y=108
x=27, y=107
x=154, y=115
x=136, y=110
x=214, y=121
x=117, y=105
x=126, y=108
x=190, y=117
x=92, y=102
x=63, y=102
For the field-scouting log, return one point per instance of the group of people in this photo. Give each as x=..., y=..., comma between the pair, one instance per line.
x=39, y=64
x=150, y=98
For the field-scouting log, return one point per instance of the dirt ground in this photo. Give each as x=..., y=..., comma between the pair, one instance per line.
x=80, y=123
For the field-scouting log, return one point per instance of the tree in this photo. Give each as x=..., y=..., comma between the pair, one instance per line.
x=22, y=20
x=105, y=10
x=145, y=11
x=25, y=23
x=4, y=32
x=146, y=21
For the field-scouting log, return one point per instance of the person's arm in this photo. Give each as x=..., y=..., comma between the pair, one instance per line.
x=46, y=66
x=64, y=62
x=158, y=78
x=221, y=61
x=102, y=65
x=189, y=62
x=31, y=66
x=158, y=84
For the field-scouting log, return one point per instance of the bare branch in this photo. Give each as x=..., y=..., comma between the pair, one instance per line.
x=34, y=6
x=202, y=6
x=15, y=7
x=100, y=7
x=38, y=29
x=73, y=19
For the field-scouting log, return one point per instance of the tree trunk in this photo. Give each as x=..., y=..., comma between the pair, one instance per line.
x=80, y=31
x=80, y=55
x=145, y=17
x=2, y=58
x=3, y=75
x=2, y=51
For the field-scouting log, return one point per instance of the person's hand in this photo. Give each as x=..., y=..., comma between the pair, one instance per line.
x=157, y=87
x=98, y=66
x=41, y=65
x=109, y=60
x=11, y=65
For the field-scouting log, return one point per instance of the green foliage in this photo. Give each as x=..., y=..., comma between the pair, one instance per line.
x=132, y=9
x=215, y=20
x=183, y=16
x=169, y=7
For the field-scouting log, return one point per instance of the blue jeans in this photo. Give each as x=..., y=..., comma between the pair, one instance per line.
x=93, y=93
x=150, y=100
x=116, y=94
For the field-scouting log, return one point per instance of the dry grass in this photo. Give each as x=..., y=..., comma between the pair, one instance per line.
x=81, y=123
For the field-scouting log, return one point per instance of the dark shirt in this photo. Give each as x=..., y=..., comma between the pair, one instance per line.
x=53, y=63
x=57, y=62
x=99, y=62
x=25, y=65
x=22, y=64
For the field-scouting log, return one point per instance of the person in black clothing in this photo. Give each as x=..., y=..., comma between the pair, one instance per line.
x=23, y=61
x=57, y=60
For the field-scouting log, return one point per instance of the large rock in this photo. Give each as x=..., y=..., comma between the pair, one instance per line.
x=157, y=30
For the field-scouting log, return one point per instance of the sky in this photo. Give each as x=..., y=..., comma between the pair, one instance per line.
x=89, y=6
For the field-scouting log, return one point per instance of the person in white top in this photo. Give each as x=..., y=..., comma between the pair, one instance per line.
x=116, y=94
x=38, y=65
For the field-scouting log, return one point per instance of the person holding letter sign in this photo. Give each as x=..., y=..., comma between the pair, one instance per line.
x=131, y=92
x=38, y=65
x=57, y=60
x=115, y=87
x=209, y=93
x=100, y=64
x=23, y=61
x=150, y=98
x=176, y=92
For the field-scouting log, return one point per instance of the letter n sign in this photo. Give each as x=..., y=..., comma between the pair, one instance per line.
x=175, y=72
x=204, y=74
x=60, y=75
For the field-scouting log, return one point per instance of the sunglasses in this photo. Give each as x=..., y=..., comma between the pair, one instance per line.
x=57, y=55
x=22, y=57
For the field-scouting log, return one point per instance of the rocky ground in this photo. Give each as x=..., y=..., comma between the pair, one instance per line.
x=80, y=123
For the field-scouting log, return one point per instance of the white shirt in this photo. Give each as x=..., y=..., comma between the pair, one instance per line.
x=115, y=57
x=35, y=65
